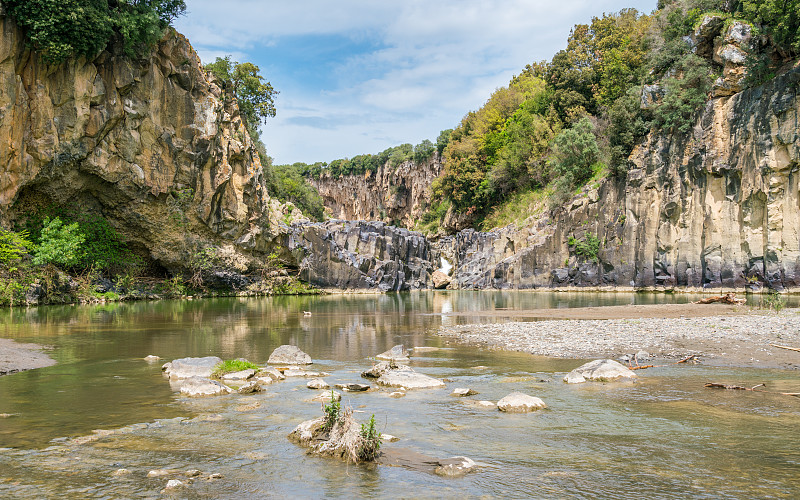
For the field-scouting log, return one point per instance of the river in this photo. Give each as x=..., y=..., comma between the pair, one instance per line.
x=663, y=437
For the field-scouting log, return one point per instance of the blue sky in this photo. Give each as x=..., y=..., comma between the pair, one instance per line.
x=358, y=76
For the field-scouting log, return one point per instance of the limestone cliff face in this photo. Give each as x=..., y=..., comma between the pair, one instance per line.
x=397, y=194
x=716, y=208
x=151, y=144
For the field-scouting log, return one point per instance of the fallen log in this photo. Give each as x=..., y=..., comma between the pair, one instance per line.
x=786, y=347
x=728, y=298
x=715, y=385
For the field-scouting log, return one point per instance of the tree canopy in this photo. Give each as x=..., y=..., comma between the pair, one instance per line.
x=243, y=81
x=60, y=29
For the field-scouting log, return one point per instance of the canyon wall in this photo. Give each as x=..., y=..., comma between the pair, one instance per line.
x=150, y=144
x=393, y=194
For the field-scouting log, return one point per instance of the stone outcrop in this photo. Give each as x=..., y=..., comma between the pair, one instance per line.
x=361, y=255
x=152, y=145
x=393, y=194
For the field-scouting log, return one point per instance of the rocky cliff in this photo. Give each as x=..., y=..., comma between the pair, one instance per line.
x=716, y=208
x=150, y=144
x=393, y=194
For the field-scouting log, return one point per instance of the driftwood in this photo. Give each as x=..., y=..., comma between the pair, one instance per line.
x=786, y=347
x=693, y=359
x=715, y=385
x=728, y=298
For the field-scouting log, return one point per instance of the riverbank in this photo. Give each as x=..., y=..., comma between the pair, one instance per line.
x=719, y=335
x=16, y=357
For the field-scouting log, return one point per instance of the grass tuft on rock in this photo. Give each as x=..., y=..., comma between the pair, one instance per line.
x=231, y=366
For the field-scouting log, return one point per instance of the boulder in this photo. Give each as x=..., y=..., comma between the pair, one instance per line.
x=191, y=367
x=173, y=484
x=200, y=386
x=517, y=402
x=271, y=373
x=409, y=379
x=396, y=353
x=240, y=375
x=317, y=383
x=289, y=355
x=463, y=391
x=300, y=372
x=250, y=387
x=379, y=369
x=455, y=467
x=325, y=396
x=304, y=433
x=353, y=387
x=151, y=358
x=440, y=280
x=599, y=370
x=388, y=438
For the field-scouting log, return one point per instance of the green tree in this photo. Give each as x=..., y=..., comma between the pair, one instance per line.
x=443, y=140
x=13, y=245
x=60, y=29
x=575, y=153
x=60, y=244
x=781, y=21
x=243, y=81
x=685, y=94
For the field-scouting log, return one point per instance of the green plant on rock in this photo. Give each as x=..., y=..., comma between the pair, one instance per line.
x=231, y=366
x=332, y=411
x=370, y=441
x=60, y=244
x=588, y=247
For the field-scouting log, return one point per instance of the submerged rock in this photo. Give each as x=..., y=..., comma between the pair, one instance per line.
x=300, y=372
x=599, y=370
x=271, y=373
x=517, y=402
x=396, y=353
x=290, y=355
x=353, y=387
x=455, y=467
x=191, y=367
x=151, y=358
x=199, y=386
x=408, y=379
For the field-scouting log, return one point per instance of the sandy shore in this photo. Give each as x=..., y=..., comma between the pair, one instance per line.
x=719, y=334
x=16, y=357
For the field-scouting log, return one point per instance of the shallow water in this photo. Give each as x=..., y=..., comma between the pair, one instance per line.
x=663, y=437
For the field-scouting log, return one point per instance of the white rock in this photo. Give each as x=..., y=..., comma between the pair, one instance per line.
x=192, y=473
x=271, y=373
x=172, y=484
x=409, y=380
x=325, y=396
x=121, y=472
x=158, y=473
x=317, y=383
x=463, y=391
x=289, y=354
x=240, y=375
x=485, y=404
x=599, y=370
x=397, y=394
x=379, y=369
x=455, y=467
x=397, y=353
x=151, y=358
x=389, y=438
x=517, y=402
x=199, y=386
x=299, y=372
x=250, y=387
x=191, y=367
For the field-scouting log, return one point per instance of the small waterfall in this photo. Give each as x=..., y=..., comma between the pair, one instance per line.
x=446, y=266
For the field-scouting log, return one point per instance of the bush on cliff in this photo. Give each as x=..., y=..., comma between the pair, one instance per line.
x=60, y=29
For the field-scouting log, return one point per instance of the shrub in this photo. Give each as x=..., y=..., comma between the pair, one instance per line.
x=13, y=245
x=575, y=152
x=370, y=441
x=332, y=411
x=685, y=95
x=60, y=244
x=589, y=247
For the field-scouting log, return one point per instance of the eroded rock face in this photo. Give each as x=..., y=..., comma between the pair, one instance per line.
x=149, y=144
x=396, y=194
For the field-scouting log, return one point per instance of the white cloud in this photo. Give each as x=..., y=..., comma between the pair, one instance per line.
x=434, y=61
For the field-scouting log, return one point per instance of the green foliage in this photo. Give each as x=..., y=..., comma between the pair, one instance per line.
x=231, y=366
x=13, y=245
x=516, y=209
x=443, y=140
x=424, y=151
x=780, y=19
x=332, y=411
x=174, y=287
x=773, y=301
x=60, y=29
x=286, y=182
x=575, y=153
x=243, y=82
x=60, y=244
x=588, y=247
x=627, y=126
x=370, y=441
x=685, y=94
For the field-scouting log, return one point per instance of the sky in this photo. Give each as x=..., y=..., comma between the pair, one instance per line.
x=359, y=76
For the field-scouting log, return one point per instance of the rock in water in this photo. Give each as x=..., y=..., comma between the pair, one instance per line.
x=151, y=358
x=325, y=396
x=440, y=280
x=396, y=353
x=250, y=387
x=289, y=355
x=240, y=375
x=599, y=370
x=271, y=373
x=191, y=367
x=317, y=383
x=409, y=379
x=463, y=391
x=199, y=386
x=455, y=467
x=380, y=368
x=517, y=402
x=353, y=387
